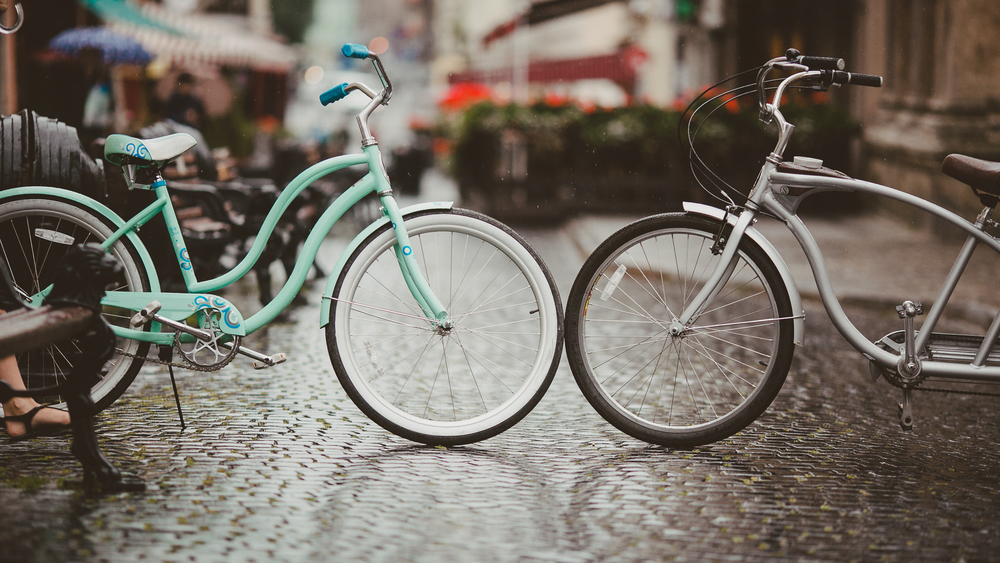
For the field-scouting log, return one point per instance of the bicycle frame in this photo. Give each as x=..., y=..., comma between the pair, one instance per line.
x=178, y=306
x=780, y=193
x=783, y=206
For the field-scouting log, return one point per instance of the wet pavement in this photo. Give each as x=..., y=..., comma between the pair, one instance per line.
x=279, y=465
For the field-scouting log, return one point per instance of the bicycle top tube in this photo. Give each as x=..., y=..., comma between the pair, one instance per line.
x=285, y=199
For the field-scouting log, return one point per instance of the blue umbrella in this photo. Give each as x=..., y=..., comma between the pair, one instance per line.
x=117, y=49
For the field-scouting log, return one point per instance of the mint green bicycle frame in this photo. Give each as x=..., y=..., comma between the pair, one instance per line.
x=179, y=306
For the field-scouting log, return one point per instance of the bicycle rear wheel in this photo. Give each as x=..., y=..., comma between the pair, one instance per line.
x=35, y=233
x=709, y=382
x=446, y=386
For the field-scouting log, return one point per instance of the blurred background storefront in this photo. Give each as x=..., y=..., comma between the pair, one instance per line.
x=259, y=65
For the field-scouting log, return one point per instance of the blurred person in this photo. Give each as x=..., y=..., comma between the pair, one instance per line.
x=98, y=107
x=23, y=417
x=184, y=106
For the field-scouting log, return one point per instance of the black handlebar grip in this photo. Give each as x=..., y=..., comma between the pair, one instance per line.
x=841, y=77
x=822, y=63
x=865, y=80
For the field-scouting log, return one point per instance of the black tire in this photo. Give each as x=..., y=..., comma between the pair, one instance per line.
x=32, y=255
x=696, y=388
x=446, y=386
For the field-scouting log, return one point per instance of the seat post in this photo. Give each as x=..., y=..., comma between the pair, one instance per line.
x=989, y=203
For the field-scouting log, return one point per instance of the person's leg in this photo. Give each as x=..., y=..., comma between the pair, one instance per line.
x=10, y=373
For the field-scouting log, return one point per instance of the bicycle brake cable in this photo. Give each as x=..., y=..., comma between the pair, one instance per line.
x=702, y=173
x=699, y=169
x=690, y=141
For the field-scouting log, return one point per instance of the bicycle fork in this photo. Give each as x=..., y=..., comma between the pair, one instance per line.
x=719, y=277
x=431, y=306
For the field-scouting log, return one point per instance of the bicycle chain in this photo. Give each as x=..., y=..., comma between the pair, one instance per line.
x=956, y=392
x=914, y=385
x=184, y=365
x=894, y=380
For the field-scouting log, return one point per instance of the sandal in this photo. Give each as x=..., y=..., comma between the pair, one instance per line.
x=26, y=419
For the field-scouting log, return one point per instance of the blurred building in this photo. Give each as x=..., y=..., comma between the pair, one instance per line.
x=227, y=45
x=941, y=62
x=606, y=52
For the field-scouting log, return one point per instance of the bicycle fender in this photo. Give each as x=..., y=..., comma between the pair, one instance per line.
x=331, y=282
x=786, y=275
x=97, y=208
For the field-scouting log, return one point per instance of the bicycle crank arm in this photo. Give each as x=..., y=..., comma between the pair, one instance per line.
x=261, y=361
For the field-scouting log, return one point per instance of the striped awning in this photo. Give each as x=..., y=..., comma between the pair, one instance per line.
x=621, y=68
x=196, y=38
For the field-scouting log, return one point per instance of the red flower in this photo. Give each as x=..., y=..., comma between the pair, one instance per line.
x=555, y=100
x=463, y=95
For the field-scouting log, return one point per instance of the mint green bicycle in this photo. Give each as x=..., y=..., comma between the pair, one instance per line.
x=442, y=324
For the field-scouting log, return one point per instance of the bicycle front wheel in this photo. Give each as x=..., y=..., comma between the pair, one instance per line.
x=698, y=387
x=446, y=386
x=35, y=233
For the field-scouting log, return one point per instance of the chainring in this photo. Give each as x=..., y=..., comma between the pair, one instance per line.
x=207, y=355
x=891, y=375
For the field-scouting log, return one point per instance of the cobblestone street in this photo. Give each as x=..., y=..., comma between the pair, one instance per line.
x=279, y=465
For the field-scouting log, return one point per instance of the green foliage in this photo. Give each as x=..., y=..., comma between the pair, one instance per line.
x=640, y=142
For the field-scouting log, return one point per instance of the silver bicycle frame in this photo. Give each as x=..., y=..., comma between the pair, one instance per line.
x=780, y=193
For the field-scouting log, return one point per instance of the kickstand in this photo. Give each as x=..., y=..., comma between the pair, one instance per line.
x=167, y=355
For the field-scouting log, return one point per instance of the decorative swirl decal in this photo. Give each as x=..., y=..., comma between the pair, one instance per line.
x=407, y=251
x=235, y=322
x=185, y=259
x=228, y=313
x=138, y=150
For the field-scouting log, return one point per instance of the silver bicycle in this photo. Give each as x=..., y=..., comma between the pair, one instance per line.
x=680, y=327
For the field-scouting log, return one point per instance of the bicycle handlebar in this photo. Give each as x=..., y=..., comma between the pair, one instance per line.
x=814, y=63
x=818, y=72
x=339, y=92
x=355, y=51
x=828, y=70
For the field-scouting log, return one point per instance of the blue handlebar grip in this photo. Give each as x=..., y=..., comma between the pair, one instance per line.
x=355, y=51
x=333, y=94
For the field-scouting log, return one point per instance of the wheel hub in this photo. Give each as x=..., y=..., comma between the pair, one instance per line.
x=677, y=328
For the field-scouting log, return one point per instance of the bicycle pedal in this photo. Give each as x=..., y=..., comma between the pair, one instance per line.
x=145, y=314
x=270, y=361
